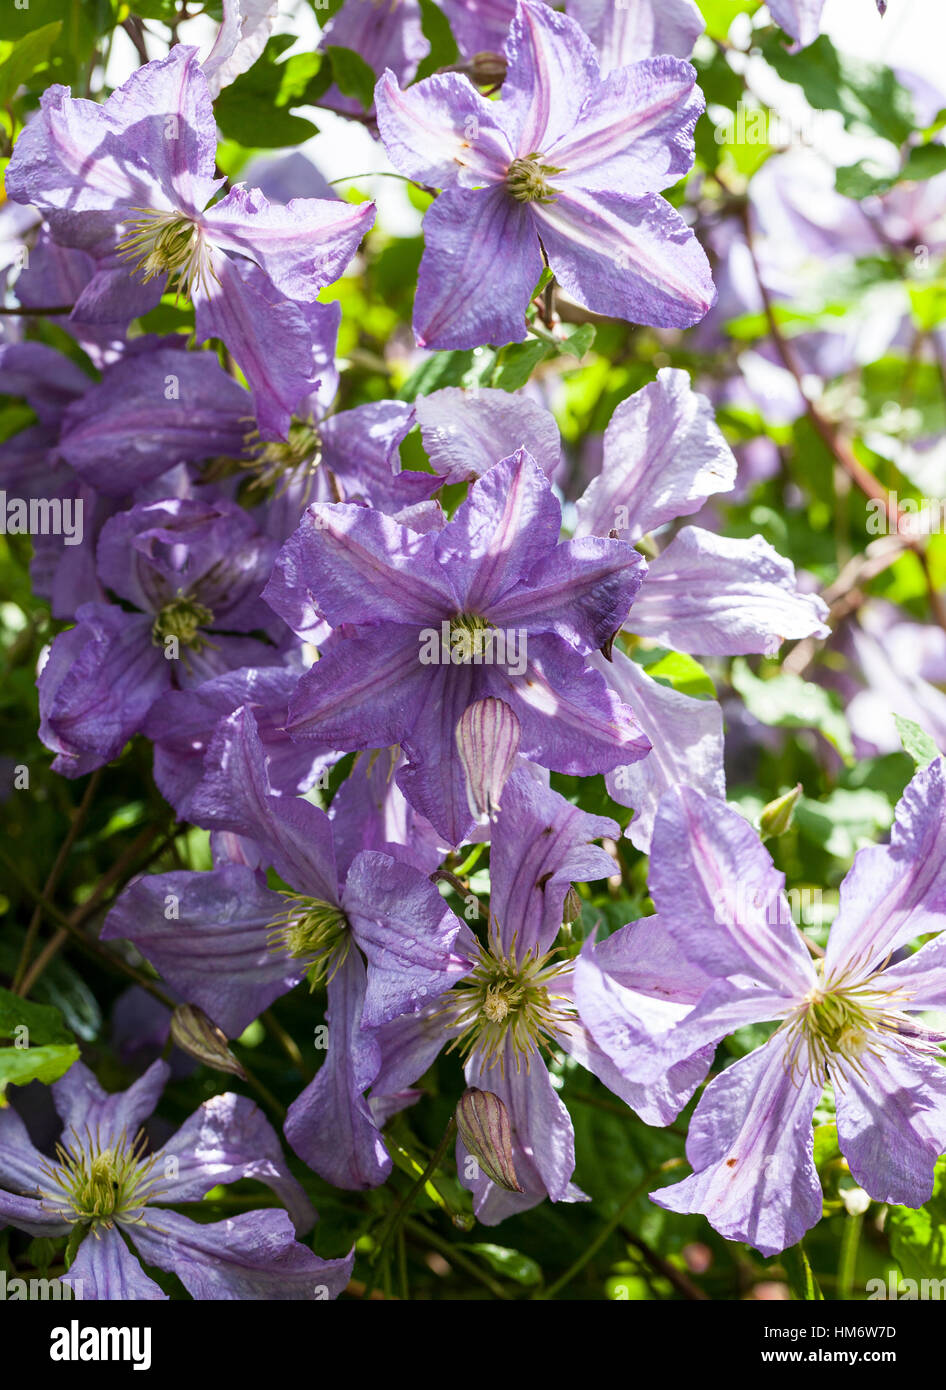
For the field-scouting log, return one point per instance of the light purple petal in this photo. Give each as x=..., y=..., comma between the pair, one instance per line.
x=151, y=145
x=406, y=931
x=213, y=950
x=441, y=132
x=150, y=412
x=302, y=246
x=330, y=1125
x=85, y=1108
x=626, y=33
x=721, y=896
x=240, y=40
x=467, y=432
x=106, y=1270
x=800, y=18
x=228, y=1138
x=552, y=69
x=686, y=737
x=664, y=455
x=251, y=1256
x=635, y=133
x=894, y=893
x=719, y=596
x=892, y=1124
x=486, y=239
x=509, y=523
x=631, y=258
x=353, y=565
x=540, y=846
x=750, y=1144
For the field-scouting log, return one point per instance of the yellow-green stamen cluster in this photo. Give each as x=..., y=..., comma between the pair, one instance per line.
x=281, y=460
x=468, y=636
x=527, y=179
x=171, y=244
x=507, y=1000
x=91, y=1185
x=838, y=1025
x=312, y=930
x=182, y=618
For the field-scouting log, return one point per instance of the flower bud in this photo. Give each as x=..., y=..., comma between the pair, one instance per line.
x=571, y=908
x=778, y=815
x=488, y=69
x=483, y=1125
x=488, y=743
x=198, y=1036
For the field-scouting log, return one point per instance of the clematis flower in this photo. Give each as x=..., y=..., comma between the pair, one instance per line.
x=234, y=945
x=622, y=34
x=135, y=175
x=490, y=605
x=566, y=167
x=104, y=1186
x=704, y=594
x=852, y=1020
x=191, y=574
x=525, y=996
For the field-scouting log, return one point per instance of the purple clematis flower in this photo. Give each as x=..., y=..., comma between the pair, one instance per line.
x=622, y=33
x=104, y=1183
x=191, y=573
x=849, y=1020
x=233, y=945
x=524, y=996
x=566, y=167
x=135, y=176
x=704, y=594
x=490, y=605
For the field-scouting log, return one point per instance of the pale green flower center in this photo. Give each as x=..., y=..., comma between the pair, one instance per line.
x=91, y=1185
x=527, y=179
x=467, y=636
x=168, y=243
x=314, y=931
x=182, y=618
x=507, y=999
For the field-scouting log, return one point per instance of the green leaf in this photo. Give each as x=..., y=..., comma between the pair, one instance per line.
x=925, y=162
x=845, y=821
x=676, y=669
x=24, y=58
x=255, y=109
x=916, y=741
x=352, y=74
x=437, y=32
x=867, y=95
x=719, y=14
x=39, y=1046
x=508, y=1263
x=918, y=1238
x=787, y=702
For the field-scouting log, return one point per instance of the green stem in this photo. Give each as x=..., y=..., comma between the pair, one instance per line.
x=607, y=1230
x=801, y=1280
x=450, y=1252
x=393, y=1223
x=847, y=1263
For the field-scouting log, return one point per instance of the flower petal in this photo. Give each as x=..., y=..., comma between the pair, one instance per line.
x=750, y=1144
x=251, y=1256
x=719, y=596
x=629, y=258
x=441, y=132
x=552, y=68
x=105, y=1269
x=482, y=239
x=664, y=455
x=467, y=432
x=86, y=1109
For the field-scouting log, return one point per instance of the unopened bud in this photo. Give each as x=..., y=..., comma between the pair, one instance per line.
x=483, y=1125
x=198, y=1036
x=571, y=908
x=488, y=743
x=779, y=814
x=488, y=69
